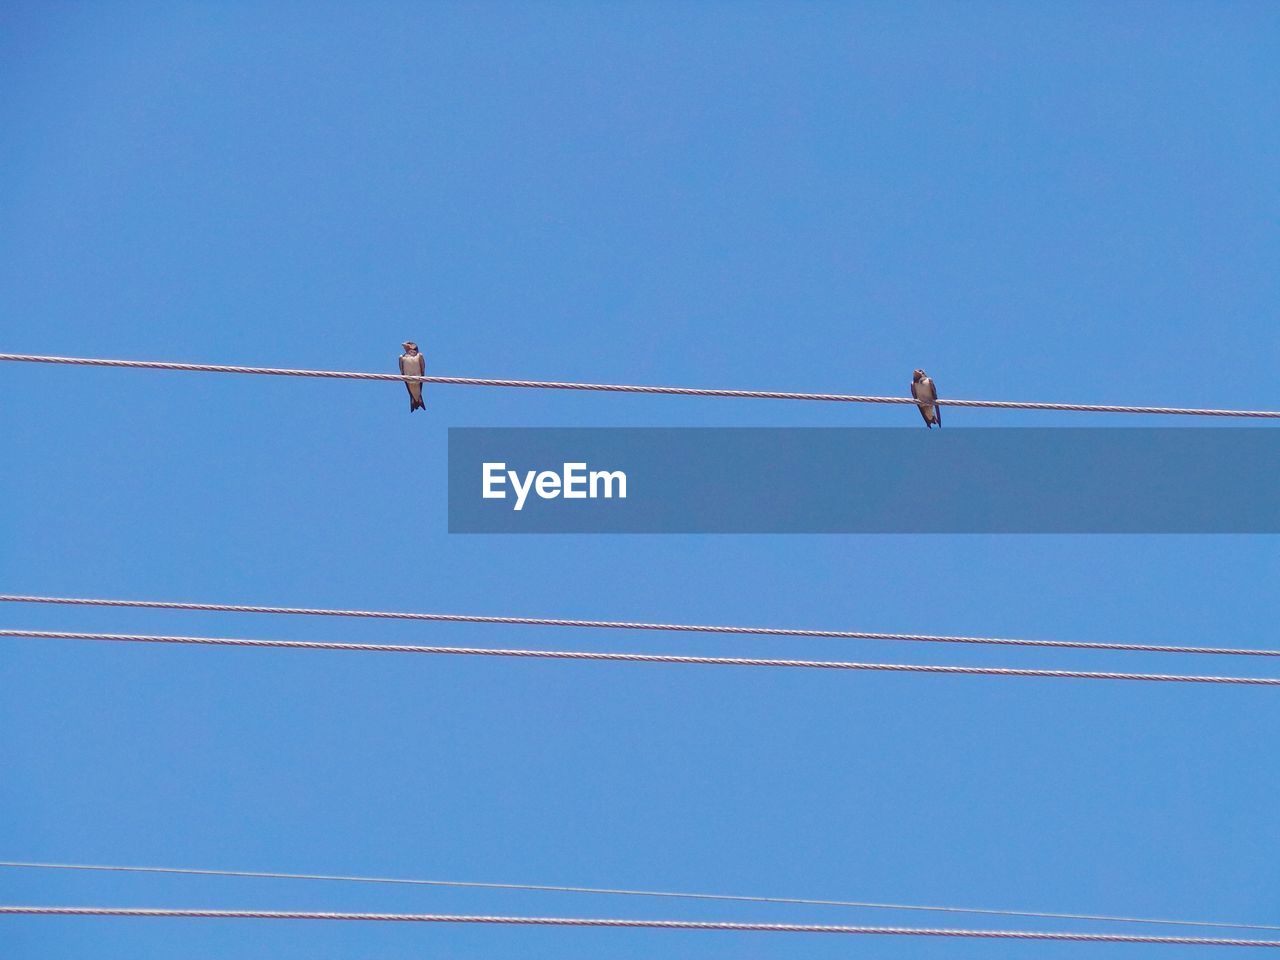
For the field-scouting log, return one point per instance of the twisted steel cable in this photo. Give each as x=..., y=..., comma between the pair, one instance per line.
x=627, y=388
x=642, y=658
x=629, y=924
x=548, y=888
x=636, y=625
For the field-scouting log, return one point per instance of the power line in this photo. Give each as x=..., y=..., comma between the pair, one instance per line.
x=629, y=388
x=628, y=924
x=633, y=625
x=472, y=884
x=643, y=658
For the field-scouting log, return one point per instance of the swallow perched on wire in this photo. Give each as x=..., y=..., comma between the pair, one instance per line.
x=413, y=364
x=926, y=395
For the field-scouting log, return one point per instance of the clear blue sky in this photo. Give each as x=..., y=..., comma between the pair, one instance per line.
x=1073, y=204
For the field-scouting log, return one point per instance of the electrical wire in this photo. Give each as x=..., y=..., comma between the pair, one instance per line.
x=628, y=388
x=632, y=625
x=546, y=888
x=652, y=924
x=627, y=924
x=644, y=658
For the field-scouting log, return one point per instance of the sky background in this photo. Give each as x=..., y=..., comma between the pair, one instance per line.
x=1070, y=204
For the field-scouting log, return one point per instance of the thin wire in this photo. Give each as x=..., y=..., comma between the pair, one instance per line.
x=628, y=924
x=631, y=625
x=644, y=658
x=800, y=901
x=628, y=388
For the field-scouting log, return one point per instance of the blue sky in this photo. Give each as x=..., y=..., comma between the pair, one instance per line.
x=1073, y=204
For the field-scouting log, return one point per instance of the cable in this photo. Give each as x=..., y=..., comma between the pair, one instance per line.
x=628, y=924
x=644, y=658
x=627, y=388
x=800, y=901
x=631, y=625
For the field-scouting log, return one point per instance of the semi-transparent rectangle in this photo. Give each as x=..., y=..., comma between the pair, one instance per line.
x=772, y=480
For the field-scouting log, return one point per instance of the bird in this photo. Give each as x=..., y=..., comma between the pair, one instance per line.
x=926, y=395
x=413, y=364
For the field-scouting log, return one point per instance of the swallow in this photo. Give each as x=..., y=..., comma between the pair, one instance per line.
x=926, y=394
x=413, y=364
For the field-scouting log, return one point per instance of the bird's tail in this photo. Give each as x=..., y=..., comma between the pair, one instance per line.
x=416, y=405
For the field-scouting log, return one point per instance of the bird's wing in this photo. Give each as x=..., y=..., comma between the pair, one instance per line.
x=403, y=364
x=937, y=407
x=914, y=392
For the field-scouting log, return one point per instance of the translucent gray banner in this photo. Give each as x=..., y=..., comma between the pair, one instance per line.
x=769, y=480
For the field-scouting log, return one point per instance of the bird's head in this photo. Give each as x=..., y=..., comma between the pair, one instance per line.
x=917, y=376
x=410, y=346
